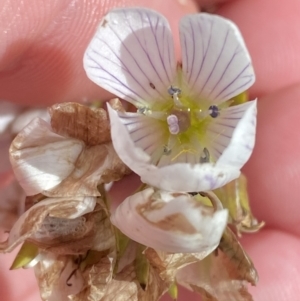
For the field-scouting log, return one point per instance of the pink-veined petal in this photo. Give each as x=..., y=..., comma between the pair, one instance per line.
x=147, y=133
x=232, y=135
x=177, y=224
x=132, y=55
x=215, y=61
x=174, y=177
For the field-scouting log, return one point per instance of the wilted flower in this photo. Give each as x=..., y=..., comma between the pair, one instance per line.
x=12, y=119
x=70, y=156
x=185, y=136
x=227, y=272
x=172, y=222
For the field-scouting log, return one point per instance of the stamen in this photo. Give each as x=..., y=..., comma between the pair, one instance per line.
x=167, y=150
x=172, y=121
x=143, y=110
x=205, y=156
x=170, y=145
x=175, y=92
x=214, y=111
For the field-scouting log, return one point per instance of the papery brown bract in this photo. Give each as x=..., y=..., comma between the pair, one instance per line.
x=58, y=277
x=168, y=264
x=91, y=125
x=33, y=220
x=234, y=197
x=72, y=156
x=223, y=275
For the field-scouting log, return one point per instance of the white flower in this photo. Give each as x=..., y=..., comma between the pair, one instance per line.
x=185, y=136
x=171, y=222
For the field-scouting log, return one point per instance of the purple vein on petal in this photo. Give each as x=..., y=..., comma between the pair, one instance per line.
x=123, y=66
x=204, y=55
x=225, y=125
x=218, y=133
x=145, y=51
x=194, y=50
x=157, y=45
x=136, y=130
x=216, y=62
x=129, y=52
x=233, y=81
x=110, y=74
x=184, y=50
x=225, y=70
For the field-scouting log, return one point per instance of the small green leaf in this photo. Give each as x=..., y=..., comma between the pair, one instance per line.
x=26, y=254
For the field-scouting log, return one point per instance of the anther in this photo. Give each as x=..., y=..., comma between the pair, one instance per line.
x=167, y=150
x=205, y=156
x=142, y=110
x=174, y=90
x=214, y=111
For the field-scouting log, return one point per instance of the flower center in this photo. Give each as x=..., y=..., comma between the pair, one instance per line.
x=186, y=122
x=179, y=119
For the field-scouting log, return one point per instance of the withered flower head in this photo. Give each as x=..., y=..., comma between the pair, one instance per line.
x=70, y=156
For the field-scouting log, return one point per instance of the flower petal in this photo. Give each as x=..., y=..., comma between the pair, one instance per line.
x=175, y=177
x=41, y=159
x=215, y=60
x=147, y=133
x=233, y=135
x=132, y=55
x=179, y=225
x=190, y=178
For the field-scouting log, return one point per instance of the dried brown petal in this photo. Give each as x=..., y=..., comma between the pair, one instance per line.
x=95, y=165
x=32, y=220
x=45, y=162
x=243, y=268
x=74, y=120
x=223, y=275
x=96, y=277
x=168, y=264
x=234, y=197
x=124, y=286
x=58, y=277
x=170, y=222
x=116, y=104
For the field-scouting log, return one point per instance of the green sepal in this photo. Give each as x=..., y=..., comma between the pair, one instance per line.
x=239, y=99
x=26, y=254
x=173, y=291
x=142, y=267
